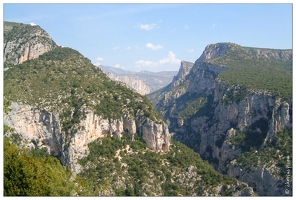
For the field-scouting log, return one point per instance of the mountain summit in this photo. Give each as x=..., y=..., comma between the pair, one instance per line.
x=24, y=42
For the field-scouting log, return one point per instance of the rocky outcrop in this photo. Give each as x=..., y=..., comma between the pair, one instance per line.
x=143, y=82
x=183, y=71
x=175, y=89
x=208, y=127
x=134, y=83
x=24, y=42
x=261, y=178
x=156, y=136
x=42, y=129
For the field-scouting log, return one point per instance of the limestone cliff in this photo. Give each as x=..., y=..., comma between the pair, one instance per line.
x=204, y=112
x=143, y=82
x=43, y=129
x=134, y=83
x=24, y=42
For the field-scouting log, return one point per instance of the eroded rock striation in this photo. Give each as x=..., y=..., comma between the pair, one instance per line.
x=43, y=129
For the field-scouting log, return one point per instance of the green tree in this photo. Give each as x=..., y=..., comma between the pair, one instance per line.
x=34, y=174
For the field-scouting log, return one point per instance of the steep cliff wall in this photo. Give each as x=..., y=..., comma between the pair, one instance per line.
x=143, y=82
x=24, y=42
x=205, y=113
x=43, y=129
x=134, y=83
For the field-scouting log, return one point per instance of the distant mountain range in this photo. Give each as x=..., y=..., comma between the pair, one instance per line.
x=143, y=82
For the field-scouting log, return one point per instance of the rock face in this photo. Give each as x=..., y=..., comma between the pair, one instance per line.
x=259, y=178
x=134, y=83
x=24, y=42
x=155, y=135
x=197, y=109
x=42, y=129
x=143, y=82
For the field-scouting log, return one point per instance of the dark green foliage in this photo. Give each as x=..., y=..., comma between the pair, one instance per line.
x=59, y=54
x=144, y=167
x=34, y=173
x=246, y=68
x=170, y=189
x=247, y=140
x=64, y=81
x=192, y=107
x=235, y=94
x=7, y=129
x=238, y=139
x=7, y=103
x=275, y=152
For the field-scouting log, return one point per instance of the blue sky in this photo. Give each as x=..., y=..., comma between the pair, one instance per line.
x=156, y=37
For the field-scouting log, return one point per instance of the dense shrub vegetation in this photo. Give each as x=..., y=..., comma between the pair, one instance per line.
x=275, y=153
x=127, y=168
x=57, y=77
x=64, y=81
x=34, y=173
x=192, y=107
x=257, y=72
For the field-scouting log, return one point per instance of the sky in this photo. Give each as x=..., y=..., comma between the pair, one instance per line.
x=156, y=37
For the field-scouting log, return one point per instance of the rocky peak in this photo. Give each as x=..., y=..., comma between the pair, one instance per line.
x=214, y=50
x=25, y=42
x=184, y=70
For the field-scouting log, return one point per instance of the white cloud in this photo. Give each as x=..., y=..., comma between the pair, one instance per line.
x=147, y=27
x=153, y=47
x=190, y=50
x=100, y=59
x=128, y=48
x=214, y=25
x=115, y=48
x=33, y=24
x=145, y=63
x=186, y=27
x=168, y=62
x=170, y=59
x=118, y=66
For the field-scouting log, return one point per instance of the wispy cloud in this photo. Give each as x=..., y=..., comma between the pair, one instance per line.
x=214, y=25
x=99, y=59
x=164, y=62
x=147, y=27
x=186, y=27
x=116, y=48
x=190, y=50
x=118, y=66
x=153, y=47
